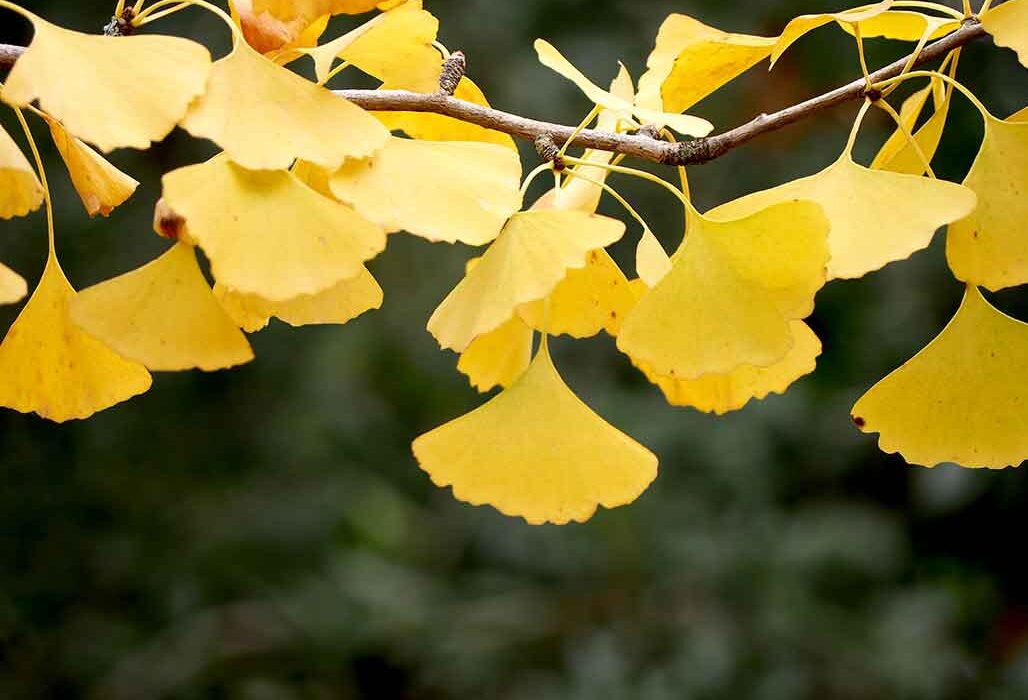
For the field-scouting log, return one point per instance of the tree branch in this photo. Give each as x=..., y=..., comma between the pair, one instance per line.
x=691, y=152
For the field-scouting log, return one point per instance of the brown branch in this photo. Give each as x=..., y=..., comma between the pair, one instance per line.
x=642, y=146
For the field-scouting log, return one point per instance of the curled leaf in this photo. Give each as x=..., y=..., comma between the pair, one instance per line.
x=99, y=184
x=962, y=398
x=536, y=451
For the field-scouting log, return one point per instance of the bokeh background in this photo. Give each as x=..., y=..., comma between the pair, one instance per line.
x=265, y=533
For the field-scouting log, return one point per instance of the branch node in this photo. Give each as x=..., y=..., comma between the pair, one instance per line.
x=548, y=150
x=121, y=26
x=872, y=93
x=453, y=71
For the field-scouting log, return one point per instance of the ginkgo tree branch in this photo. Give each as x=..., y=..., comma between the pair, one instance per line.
x=639, y=145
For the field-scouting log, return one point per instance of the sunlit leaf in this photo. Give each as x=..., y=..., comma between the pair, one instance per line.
x=536, y=451
x=266, y=233
x=110, y=91
x=733, y=289
x=526, y=262
x=50, y=367
x=99, y=184
x=989, y=248
x=441, y=191
x=265, y=116
x=692, y=60
x=336, y=305
x=962, y=399
x=20, y=189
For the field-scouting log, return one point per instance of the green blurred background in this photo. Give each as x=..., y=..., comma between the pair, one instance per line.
x=265, y=532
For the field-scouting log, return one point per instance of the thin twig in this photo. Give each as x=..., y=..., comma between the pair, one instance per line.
x=641, y=146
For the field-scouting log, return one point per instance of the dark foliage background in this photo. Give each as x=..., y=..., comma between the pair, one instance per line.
x=265, y=532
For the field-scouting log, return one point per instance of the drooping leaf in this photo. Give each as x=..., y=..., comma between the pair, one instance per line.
x=799, y=26
x=267, y=233
x=733, y=289
x=526, y=262
x=50, y=367
x=110, y=91
x=265, y=116
x=962, y=398
x=1008, y=25
x=536, y=451
x=441, y=191
x=20, y=189
x=99, y=184
x=989, y=247
x=499, y=357
x=337, y=305
x=164, y=316
x=682, y=123
x=691, y=60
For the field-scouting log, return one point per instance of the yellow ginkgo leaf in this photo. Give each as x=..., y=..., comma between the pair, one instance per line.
x=807, y=23
x=265, y=116
x=498, y=357
x=877, y=217
x=903, y=25
x=395, y=47
x=1020, y=115
x=989, y=248
x=289, y=9
x=691, y=60
x=50, y=367
x=436, y=127
x=723, y=393
x=652, y=263
x=267, y=233
x=12, y=286
x=526, y=262
x=164, y=316
x=898, y=155
x=1008, y=25
x=536, y=451
x=337, y=305
x=962, y=398
x=909, y=112
x=588, y=300
x=440, y=190
x=20, y=189
x=110, y=91
x=682, y=123
x=266, y=33
x=732, y=291
x=100, y=185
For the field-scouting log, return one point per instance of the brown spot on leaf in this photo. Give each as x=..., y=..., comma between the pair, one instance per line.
x=858, y=421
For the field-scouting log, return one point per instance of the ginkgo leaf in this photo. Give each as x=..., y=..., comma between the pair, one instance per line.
x=99, y=184
x=289, y=9
x=20, y=189
x=266, y=33
x=395, y=47
x=807, y=23
x=989, y=248
x=962, y=398
x=439, y=190
x=723, y=393
x=652, y=263
x=588, y=300
x=903, y=25
x=266, y=233
x=536, y=451
x=909, y=112
x=436, y=127
x=499, y=357
x=526, y=262
x=164, y=316
x=12, y=286
x=110, y=91
x=877, y=217
x=336, y=305
x=732, y=291
x=897, y=155
x=54, y=369
x=1008, y=25
x=682, y=123
x=691, y=60
x=265, y=116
